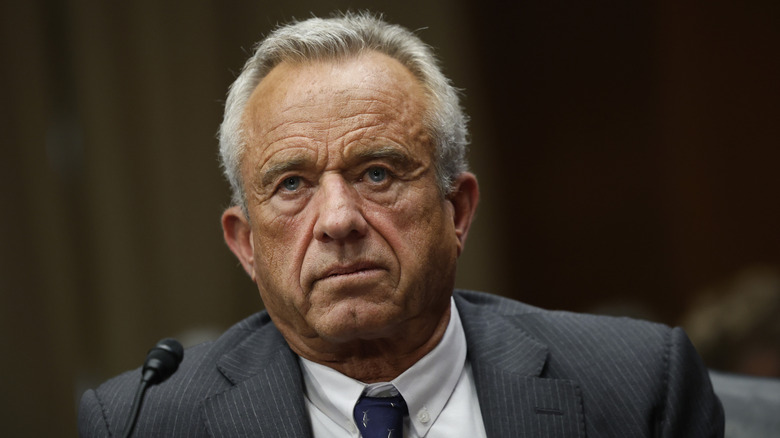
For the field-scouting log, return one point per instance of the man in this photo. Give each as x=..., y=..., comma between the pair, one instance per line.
x=345, y=148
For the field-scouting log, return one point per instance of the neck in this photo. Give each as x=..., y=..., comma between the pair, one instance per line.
x=380, y=360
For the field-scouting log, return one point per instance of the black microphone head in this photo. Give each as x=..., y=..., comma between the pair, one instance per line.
x=162, y=360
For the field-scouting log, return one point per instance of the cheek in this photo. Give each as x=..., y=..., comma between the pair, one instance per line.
x=419, y=230
x=424, y=245
x=280, y=244
x=433, y=238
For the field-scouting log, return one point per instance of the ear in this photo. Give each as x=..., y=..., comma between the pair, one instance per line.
x=238, y=236
x=464, y=199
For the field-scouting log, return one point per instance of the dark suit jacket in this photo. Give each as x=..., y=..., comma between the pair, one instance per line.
x=538, y=374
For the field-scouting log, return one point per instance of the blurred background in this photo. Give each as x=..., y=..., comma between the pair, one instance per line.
x=628, y=157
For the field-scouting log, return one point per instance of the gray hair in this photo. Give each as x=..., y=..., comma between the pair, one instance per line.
x=348, y=35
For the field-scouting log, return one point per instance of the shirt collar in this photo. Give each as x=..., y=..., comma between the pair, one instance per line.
x=336, y=394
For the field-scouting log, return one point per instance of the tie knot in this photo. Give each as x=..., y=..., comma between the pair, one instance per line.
x=381, y=417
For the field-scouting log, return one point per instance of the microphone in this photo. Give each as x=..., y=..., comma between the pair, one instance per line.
x=161, y=362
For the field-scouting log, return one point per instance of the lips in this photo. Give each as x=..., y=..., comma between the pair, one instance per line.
x=343, y=272
x=351, y=269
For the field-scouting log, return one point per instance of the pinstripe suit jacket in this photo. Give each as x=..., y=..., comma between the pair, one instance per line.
x=538, y=374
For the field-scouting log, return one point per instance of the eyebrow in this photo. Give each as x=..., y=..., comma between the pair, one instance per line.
x=390, y=153
x=274, y=171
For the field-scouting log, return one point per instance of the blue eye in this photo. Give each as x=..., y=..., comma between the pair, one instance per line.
x=291, y=183
x=377, y=174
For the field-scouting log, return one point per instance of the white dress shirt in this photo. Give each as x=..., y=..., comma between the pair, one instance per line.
x=439, y=391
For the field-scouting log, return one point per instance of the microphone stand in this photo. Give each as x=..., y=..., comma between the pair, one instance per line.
x=137, y=402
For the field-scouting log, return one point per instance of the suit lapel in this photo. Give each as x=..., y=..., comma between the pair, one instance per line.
x=267, y=397
x=514, y=398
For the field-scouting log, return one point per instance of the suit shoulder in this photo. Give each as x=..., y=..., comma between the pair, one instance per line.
x=197, y=378
x=557, y=320
x=201, y=357
x=578, y=337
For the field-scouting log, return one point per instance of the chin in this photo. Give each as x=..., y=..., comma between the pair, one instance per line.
x=347, y=322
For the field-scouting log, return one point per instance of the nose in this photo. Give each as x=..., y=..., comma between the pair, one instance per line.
x=339, y=216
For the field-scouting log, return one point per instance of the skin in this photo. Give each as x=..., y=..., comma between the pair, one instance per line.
x=351, y=243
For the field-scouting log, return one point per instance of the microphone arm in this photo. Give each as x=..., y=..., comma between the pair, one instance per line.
x=161, y=362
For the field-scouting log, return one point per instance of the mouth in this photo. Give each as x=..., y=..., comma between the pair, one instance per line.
x=353, y=269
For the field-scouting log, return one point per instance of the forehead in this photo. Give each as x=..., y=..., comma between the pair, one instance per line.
x=369, y=70
x=369, y=88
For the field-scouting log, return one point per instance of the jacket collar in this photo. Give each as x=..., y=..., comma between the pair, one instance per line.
x=508, y=366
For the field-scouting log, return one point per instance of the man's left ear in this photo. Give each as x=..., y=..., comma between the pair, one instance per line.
x=464, y=199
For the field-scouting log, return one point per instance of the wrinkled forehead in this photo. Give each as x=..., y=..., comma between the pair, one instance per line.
x=341, y=75
x=313, y=93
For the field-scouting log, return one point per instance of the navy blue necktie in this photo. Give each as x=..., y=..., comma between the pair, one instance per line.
x=381, y=417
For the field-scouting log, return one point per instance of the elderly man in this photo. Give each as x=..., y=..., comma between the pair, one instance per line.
x=345, y=148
